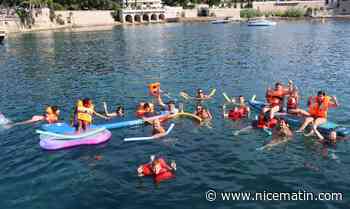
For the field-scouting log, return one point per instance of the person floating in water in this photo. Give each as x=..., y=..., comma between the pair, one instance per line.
x=158, y=129
x=318, y=110
x=201, y=96
x=281, y=133
x=119, y=111
x=50, y=116
x=158, y=169
x=169, y=106
x=144, y=109
x=237, y=113
x=203, y=113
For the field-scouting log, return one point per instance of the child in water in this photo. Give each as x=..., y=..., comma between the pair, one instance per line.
x=119, y=111
x=144, y=109
x=51, y=115
x=158, y=168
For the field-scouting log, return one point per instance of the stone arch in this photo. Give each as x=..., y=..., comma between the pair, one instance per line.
x=154, y=17
x=161, y=17
x=128, y=18
x=137, y=18
x=145, y=17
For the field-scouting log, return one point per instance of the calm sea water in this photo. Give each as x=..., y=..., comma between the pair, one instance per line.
x=115, y=65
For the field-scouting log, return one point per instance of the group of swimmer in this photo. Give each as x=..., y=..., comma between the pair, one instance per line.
x=269, y=118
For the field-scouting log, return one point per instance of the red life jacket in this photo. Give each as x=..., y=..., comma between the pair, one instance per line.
x=243, y=110
x=262, y=123
x=234, y=115
x=165, y=172
x=272, y=123
x=147, y=169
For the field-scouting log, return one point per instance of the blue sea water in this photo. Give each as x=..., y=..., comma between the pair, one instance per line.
x=116, y=64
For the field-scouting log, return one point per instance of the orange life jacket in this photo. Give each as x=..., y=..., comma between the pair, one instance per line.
x=317, y=108
x=275, y=98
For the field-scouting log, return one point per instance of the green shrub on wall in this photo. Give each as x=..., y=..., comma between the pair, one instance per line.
x=294, y=12
x=250, y=13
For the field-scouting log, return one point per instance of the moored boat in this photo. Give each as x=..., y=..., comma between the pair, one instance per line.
x=261, y=23
x=220, y=21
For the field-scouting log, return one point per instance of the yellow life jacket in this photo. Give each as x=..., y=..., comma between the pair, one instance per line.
x=85, y=113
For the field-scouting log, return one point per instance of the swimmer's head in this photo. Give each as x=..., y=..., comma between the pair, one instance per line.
x=171, y=104
x=241, y=99
x=140, y=171
x=55, y=110
x=199, y=108
x=49, y=110
x=278, y=85
x=87, y=102
x=321, y=95
x=119, y=110
x=282, y=123
x=333, y=137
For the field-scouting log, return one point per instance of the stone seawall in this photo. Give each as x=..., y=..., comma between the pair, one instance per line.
x=86, y=18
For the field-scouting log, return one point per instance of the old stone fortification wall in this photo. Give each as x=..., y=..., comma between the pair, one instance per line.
x=86, y=18
x=226, y=12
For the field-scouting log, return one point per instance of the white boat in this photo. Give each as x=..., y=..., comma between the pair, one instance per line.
x=220, y=21
x=261, y=23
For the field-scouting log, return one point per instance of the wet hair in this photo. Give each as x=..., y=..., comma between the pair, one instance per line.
x=54, y=109
x=278, y=84
x=321, y=93
x=86, y=102
x=240, y=96
x=119, y=108
x=199, y=91
x=146, y=105
x=171, y=102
